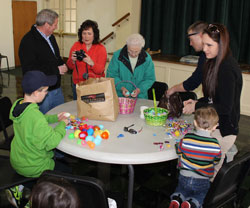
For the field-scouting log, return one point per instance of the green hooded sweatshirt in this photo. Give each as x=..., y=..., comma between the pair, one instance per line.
x=34, y=139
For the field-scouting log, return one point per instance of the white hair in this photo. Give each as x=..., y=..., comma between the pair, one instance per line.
x=135, y=39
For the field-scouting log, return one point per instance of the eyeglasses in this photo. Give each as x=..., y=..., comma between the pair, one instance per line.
x=213, y=28
x=191, y=34
x=131, y=131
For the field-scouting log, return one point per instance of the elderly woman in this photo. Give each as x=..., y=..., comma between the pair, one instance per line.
x=132, y=63
x=222, y=84
x=90, y=62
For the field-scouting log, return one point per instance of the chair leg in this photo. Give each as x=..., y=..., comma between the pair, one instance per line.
x=7, y=63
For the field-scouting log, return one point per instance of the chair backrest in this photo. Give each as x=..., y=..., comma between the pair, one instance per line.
x=5, y=122
x=226, y=185
x=8, y=176
x=90, y=190
x=160, y=88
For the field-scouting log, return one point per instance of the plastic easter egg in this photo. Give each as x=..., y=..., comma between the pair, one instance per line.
x=83, y=118
x=67, y=114
x=98, y=137
x=97, y=141
x=105, y=135
x=76, y=133
x=81, y=127
x=71, y=136
x=97, y=133
x=83, y=135
x=101, y=126
x=85, y=126
x=72, y=117
x=90, y=131
x=177, y=133
x=106, y=130
x=83, y=142
x=91, y=144
x=79, y=141
x=96, y=128
x=89, y=138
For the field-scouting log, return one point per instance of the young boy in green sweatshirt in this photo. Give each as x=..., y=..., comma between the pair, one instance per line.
x=34, y=139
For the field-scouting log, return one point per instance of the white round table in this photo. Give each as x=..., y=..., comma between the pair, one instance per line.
x=131, y=149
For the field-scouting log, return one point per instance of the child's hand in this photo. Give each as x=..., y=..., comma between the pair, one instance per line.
x=63, y=117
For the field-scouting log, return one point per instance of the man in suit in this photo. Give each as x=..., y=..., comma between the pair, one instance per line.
x=38, y=50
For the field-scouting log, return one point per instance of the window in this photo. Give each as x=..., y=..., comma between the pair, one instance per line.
x=67, y=14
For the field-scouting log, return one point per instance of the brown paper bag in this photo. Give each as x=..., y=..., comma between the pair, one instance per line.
x=97, y=99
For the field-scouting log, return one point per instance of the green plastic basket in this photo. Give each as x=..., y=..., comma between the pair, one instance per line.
x=155, y=120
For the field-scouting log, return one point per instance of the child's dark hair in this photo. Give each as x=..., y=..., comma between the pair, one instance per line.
x=52, y=192
x=206, y=117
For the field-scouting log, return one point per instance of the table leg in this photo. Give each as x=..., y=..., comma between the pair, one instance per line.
x=130, y=185
x=104, y=174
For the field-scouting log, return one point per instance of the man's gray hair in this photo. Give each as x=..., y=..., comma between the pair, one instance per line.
x=46, y=15
x=135, y=39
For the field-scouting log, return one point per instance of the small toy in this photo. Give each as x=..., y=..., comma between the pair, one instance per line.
x=90, y=131
x=83, y=135
x=77, y=132
x=67, y=114
x=79, y=141
x=86, y=134
x=177, y=133
x=106, y=130
x=89, y=138
x=71, y=136
x=91, y=144
x=96, y=128
x=97, y=140
x=101, y=126
x=105, y=135
x=120, y=135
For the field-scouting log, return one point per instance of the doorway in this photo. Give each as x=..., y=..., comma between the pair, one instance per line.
x=24, y=16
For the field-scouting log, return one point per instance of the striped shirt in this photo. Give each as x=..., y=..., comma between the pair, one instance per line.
x=198, y=153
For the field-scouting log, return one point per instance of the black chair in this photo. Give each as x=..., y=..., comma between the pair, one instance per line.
x=7, y=61
x=226, y=185
x=8, y=176
x=90, y=190
x=5, y=122
x=160, y=88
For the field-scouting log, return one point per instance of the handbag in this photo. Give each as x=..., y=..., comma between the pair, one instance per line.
x=173, y=104
x=97, y=99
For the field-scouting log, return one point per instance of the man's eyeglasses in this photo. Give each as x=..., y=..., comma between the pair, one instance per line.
x=131, y=131
x=191, y=34
x=213, y=28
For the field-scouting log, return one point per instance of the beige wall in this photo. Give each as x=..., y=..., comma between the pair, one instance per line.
x=127, y=27
x=105, y=12
x=6, y=34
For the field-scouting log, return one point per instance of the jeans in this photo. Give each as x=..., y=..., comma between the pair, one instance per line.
x=52, y=99
x=192, y=188
x=74, y=91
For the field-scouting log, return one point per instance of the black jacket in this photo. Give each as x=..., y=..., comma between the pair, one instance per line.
x=36, y=54
x=227, y=97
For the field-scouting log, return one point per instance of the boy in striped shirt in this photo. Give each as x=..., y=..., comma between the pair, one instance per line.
x=198, y=153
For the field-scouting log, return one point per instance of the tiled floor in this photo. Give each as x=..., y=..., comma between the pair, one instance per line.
x=153, y=183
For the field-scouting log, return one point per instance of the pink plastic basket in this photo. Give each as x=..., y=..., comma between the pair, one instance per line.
x=127, y=105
